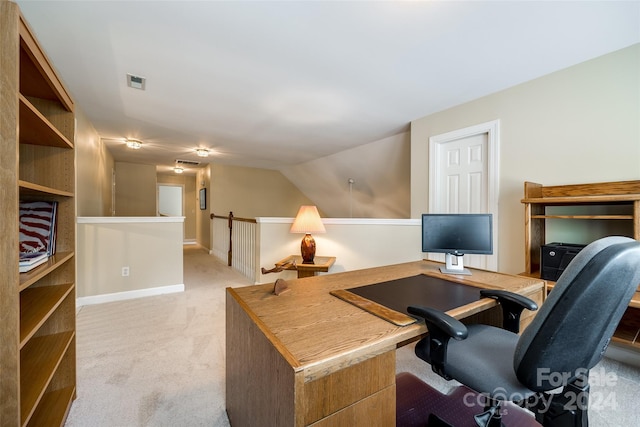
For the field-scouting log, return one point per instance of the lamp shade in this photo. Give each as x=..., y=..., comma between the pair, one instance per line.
x=308, y=221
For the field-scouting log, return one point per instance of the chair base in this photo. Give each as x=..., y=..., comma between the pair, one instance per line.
x=565, y=409
x=418, y=404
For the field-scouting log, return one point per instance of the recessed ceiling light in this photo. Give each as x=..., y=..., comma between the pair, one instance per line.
x=202, y=152
x=178, y=169
x=134, y=143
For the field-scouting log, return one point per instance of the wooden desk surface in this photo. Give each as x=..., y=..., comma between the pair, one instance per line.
x=318, y=333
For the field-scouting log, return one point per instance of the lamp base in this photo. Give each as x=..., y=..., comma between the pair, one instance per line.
x=308, y=249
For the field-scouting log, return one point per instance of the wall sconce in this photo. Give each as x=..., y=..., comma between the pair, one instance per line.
x=308, y=221
x=134, y=144
x=202, y=152
x=178, y=169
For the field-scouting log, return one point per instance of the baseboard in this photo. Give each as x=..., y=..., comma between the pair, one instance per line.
x=121, y=296
x=190, y=242
x=623, y=354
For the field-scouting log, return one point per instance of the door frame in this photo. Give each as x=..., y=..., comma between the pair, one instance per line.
x=437, y=143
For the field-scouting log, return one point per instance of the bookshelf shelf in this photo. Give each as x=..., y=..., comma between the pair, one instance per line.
x=37, y=304
x=37, y=308
x=35, y=190
x=586, y=217
x=40, y=354
x=53, y=407
x=615, y=201
x=35, y=129
x=42, y=271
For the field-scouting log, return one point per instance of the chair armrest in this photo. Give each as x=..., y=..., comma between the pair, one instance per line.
x=442, y=327
x=512, y=306
x=440, y=320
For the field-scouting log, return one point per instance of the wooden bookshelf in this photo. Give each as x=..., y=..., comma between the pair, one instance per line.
x=37, y=308
x=610, y=198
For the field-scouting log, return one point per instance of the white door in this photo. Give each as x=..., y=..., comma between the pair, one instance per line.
x=170, y=200
x=463, y=176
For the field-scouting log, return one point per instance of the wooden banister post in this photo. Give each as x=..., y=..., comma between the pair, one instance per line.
x=229, y=254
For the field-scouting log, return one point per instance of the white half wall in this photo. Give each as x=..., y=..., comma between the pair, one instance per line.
x=357, y=243
x=150, y=247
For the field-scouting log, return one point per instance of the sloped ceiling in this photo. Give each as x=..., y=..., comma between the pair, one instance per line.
x=276, y=84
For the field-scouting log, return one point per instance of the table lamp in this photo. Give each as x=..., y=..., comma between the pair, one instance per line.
x=308, y=221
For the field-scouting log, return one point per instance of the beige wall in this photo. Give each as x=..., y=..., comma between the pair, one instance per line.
x=251, y=192
x=94, y=166
x=189, y=203
x=577, y=125
x=248, y=192
x=203, y=220
x=135, y=189
x=381, y=174
x=150, y=247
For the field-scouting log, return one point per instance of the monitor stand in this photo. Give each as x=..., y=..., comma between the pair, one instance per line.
x=453, y=265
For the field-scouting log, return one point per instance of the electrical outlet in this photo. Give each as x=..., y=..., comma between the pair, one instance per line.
x=125, y=271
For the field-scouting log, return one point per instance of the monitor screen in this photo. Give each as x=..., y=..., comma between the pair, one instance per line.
x=457, y=234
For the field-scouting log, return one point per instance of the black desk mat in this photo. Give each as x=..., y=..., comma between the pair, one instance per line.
x=421, y=290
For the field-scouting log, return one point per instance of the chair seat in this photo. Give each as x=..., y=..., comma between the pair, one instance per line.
x=417, y=401
x=467, y=363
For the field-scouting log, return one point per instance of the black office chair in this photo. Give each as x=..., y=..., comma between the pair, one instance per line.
x=567, y=337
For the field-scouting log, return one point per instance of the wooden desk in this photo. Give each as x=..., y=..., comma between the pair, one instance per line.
x=306, y=357
x=320, y=263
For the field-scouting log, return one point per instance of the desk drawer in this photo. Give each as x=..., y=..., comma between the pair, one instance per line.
x=378, y=410
x=342, y=389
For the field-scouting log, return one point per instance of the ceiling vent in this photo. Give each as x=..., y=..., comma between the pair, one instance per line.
x=187, y=162
x=136, y=82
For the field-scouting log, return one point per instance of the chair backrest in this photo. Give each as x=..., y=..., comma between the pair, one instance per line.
x=574, y=325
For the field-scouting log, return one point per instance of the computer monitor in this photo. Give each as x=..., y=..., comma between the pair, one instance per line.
x=455, y=235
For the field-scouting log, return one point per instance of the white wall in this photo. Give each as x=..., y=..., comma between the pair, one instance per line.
x=356, y=243
x=381, y=175
x=150, y=246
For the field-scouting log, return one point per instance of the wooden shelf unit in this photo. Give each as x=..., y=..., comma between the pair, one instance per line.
x=37, y=308
x=612, y=196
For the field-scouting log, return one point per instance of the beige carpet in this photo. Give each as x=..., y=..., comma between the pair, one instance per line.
x=159, y=361
x=156, y=361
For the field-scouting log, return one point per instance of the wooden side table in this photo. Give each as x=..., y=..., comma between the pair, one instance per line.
x=320, y=263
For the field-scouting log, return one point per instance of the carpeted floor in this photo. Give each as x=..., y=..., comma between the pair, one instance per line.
x=156, y=361
x=159, y=361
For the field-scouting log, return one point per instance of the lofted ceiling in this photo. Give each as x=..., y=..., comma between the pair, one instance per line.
x=272, y=84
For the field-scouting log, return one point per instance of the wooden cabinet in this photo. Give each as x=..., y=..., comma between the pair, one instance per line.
x=37, y=309
x=608, y=208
